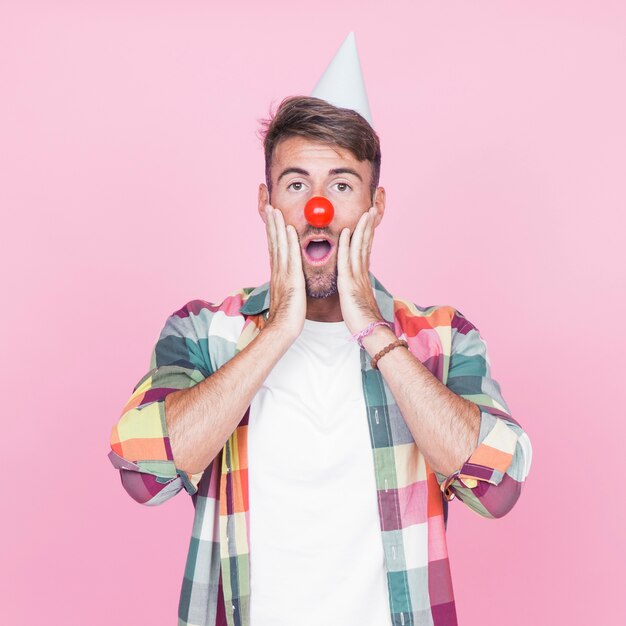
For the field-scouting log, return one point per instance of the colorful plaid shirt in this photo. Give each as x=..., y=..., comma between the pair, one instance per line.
x=412, y=498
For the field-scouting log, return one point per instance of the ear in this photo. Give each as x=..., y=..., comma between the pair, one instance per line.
x=264, y=199
x=379, y=203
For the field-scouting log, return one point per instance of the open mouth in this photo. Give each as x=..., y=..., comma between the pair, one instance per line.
x=317, y=251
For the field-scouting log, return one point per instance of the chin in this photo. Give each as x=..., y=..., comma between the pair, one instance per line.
x=321, y=285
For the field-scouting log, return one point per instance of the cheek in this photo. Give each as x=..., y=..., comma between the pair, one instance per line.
x=346, y=217
x=290, y=207
x=349, y=224
x=348, y=211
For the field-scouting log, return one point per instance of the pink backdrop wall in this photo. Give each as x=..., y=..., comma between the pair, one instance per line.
x=129, y=167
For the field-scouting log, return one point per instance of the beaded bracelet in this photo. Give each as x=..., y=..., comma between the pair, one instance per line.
x=368, y=331
x=389, y=348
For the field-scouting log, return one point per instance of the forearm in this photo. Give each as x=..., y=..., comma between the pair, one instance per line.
x=200, y=419
x=444, y=426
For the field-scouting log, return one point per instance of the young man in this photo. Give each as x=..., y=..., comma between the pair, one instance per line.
x=320, y=466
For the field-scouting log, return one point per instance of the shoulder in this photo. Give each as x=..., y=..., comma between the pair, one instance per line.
x=196, y=316
x=433, y=315
x=408, y=313
x=230, y=305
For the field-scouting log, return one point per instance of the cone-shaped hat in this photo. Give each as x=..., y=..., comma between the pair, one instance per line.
x=342, y=83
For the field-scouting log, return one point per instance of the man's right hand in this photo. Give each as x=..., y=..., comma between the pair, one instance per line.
x=287, y=288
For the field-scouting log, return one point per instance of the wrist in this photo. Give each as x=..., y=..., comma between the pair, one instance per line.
x=380, y=337
x=359, y=325
x=368, y=330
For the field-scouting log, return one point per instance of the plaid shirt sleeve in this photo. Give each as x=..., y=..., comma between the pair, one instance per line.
x=140, y=447
x=490, y=481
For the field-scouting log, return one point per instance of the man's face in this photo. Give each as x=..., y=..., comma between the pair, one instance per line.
x=302, y=169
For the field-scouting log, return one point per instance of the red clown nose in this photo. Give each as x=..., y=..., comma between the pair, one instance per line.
x=319, y=212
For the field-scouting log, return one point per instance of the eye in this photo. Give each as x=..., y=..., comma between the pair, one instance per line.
x=296, y=186
x=342, y=187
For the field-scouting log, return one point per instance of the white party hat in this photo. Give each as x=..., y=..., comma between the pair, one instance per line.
x=342, y=83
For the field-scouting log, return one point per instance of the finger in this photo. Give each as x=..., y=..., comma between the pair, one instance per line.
x=271, y=237
x=356, y=243
x=281, y=239
x=343, y=251
x=368, y=238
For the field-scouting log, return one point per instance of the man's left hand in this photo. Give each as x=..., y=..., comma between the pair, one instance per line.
x=358, y=305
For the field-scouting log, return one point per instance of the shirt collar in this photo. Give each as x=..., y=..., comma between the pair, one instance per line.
x=258, y=300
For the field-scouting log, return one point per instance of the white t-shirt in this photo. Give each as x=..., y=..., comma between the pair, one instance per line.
x=316, y=554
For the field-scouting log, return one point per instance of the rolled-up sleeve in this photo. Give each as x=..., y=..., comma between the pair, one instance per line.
x=140, y=446
x=490, y=480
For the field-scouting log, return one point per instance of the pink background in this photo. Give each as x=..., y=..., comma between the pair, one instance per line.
x=129, y=168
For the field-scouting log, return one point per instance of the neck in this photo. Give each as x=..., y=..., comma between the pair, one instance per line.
x=324, y=309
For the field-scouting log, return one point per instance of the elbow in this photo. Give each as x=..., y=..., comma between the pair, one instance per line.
x=499, y=499
x=145, y=488
x=142, y=486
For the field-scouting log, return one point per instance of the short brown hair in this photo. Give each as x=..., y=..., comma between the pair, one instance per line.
x=318, y=120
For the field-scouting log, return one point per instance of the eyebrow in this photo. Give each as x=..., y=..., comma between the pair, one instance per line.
x=337, y=170
x=345, y=170
x=292, y=170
